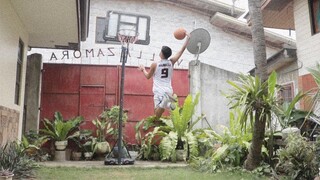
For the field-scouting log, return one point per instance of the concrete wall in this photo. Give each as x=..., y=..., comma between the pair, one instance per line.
x=307, y=44
x=31, y=101
x=211, y=81
x=11, y=30
x=226, y=51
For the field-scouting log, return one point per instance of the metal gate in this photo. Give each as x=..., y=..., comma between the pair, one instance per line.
x=87, y=90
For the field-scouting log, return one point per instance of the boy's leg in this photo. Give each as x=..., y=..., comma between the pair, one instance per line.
x=159, y=103
x=172, y=99
x=158, y=111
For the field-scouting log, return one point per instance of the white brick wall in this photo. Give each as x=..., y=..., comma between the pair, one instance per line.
x=307, y=44
x=226, y=51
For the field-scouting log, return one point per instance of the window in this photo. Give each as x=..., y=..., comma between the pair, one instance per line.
x=286, y=93
x=19, y=72
x=314, y=6
x=117, y=21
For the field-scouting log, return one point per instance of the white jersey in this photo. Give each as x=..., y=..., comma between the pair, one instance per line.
x=162, y=77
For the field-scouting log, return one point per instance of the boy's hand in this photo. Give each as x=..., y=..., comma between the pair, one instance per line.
x=141, y=68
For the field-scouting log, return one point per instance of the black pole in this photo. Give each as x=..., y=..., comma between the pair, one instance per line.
x=124, y=55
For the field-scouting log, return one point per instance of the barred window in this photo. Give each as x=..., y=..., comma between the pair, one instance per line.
x=314, y=6
x=287, y=93
x=19, y=72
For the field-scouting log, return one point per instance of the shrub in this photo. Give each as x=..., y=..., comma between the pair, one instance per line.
x=297, y=160
x=12, y=158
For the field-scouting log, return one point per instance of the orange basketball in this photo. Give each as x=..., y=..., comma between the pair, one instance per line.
x=180, y=33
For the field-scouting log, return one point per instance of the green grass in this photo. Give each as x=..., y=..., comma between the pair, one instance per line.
x=114, y=173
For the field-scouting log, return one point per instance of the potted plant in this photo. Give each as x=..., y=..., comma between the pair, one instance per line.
x=6, y=174
x=103, y=127
x=80, y=141
x=112, y=116
x=60, y=130
x=31, y=144
x=90, y=147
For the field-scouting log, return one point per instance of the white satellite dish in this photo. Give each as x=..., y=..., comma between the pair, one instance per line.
x=199, y=41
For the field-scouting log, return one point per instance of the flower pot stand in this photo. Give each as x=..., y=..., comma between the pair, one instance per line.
x=6, y=177
x=60, y=156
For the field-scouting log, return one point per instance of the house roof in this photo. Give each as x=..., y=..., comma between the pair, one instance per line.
x=240, y=28
x=282, y=58
x=54, y=24
x=277, y=14
x=209, y=7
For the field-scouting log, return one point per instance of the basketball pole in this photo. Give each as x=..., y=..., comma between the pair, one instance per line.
x=123, y=58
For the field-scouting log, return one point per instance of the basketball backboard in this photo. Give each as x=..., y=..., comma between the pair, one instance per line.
x=117, y=21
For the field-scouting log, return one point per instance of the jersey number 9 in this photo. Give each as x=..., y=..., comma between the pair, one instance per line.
x=164, y=73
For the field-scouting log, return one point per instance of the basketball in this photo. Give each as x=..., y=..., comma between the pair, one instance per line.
x=180, y=33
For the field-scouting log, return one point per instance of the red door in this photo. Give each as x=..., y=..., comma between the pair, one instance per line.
x=87, y=90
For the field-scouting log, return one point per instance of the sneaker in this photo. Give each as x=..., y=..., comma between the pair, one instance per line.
x=172, y=106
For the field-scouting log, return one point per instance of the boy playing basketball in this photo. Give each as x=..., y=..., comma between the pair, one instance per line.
x=162, y=74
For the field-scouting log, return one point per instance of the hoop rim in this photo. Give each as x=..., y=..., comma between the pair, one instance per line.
x=125, y=36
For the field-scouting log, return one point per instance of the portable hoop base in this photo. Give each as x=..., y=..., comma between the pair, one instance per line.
x=113, y=157
x=114, y=161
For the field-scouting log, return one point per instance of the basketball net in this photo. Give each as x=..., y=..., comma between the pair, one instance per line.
x=127, y=36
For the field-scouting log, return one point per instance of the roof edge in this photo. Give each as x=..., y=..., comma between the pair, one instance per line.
x=209, y=7
x=235, y=26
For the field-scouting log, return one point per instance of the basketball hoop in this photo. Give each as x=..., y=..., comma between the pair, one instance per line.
x=127, y=36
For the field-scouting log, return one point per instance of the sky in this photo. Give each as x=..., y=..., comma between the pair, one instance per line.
x=244, y=5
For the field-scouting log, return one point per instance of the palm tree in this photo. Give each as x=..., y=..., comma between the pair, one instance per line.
x=259, y=50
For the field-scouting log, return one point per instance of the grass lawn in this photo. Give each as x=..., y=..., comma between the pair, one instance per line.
x=68, y=173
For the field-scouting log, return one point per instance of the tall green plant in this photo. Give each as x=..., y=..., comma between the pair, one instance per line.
x=286, y=112
x=112, y=116
x=61, y=130
x=181, y=130
x=182, y=117
x=257, y=100
x=154, y=129
x=248, y=94
x=103, y=128
x=235, y=142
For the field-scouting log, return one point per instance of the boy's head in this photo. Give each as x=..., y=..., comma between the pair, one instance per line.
x=166, y=52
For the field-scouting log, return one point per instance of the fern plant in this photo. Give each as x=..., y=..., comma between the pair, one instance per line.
x=180, y=131
x=235, y=142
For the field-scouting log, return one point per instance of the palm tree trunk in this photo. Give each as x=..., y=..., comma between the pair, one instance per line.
x=259, y=49
x=254, y=157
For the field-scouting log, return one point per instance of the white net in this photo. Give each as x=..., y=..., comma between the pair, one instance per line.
x=127, y=36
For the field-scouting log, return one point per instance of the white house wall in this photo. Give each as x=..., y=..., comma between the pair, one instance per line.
x=226, y=51
x=307, y=44
x=211, y=83
x=11, y=29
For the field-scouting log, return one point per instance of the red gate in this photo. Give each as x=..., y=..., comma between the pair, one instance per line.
x=87, y=90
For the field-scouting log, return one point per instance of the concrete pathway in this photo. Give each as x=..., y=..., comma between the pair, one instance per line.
x=100, y=164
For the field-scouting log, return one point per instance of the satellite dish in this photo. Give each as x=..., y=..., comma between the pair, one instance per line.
x=199, y=41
